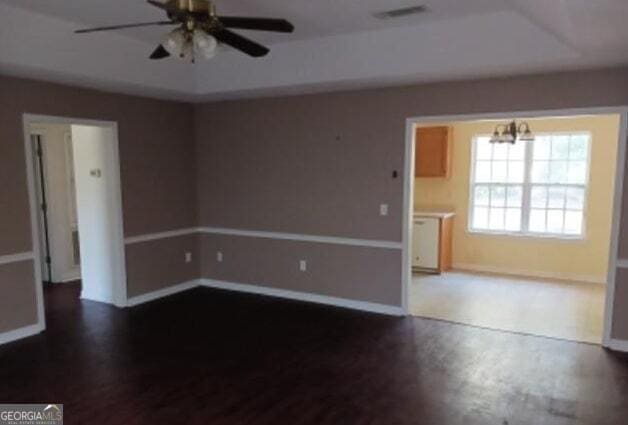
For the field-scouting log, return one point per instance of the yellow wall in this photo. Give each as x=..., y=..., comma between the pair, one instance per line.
x=565, y=259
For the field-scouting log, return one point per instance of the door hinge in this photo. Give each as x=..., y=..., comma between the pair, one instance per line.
x=39, y=151
x=44, y=207
x=48, y=259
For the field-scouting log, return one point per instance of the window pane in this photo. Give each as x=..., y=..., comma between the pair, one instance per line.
x=577, y=172
x=538, y=197
x=560, y=147
x=514, y=196
x=558, y=171
x=517, y=151
x=575, y=198
x=513, y=219
x=555, y=221
x=540, y=171
x=500, y=151
x=498, y=196
x=484, y=148
x=480, y=218
x=541, y=147
x=500, y=172
x=537, y=220
x=573, y=222
x=556, y=197
x=515, y=171
x=496, y=219
x=579, y=147
x=483, y=172
x=481, y=196
x=558, y=161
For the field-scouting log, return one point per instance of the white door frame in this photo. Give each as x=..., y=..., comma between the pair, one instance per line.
x=120, y=287
x=408, y=193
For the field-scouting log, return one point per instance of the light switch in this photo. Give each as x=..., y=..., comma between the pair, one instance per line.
x=383, y=209
x=188, y=257
x=303, y=265
x=219, y=257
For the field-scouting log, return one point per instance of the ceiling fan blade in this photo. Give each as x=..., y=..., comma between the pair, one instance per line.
x=259, y=24
x=118, y=27
x=159, y=53
x=240, y=43
x=163, y=6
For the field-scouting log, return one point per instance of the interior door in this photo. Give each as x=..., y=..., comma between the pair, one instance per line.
x=100, y=242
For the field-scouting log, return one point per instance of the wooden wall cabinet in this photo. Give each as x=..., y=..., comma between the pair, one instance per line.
x=432, y=152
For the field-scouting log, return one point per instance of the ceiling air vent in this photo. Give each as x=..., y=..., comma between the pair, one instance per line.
x=402, y=12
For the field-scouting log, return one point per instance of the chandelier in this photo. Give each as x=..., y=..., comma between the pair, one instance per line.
x=511, y=132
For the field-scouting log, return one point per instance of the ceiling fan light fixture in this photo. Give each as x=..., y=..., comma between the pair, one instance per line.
x=187, y=53
x=175, y=42
x=205, y=45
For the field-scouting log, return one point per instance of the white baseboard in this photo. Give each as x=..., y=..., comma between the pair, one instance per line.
x=71, y=276
x=20, y=333
x=161, y=293
x=530, y=273
x=307, y=297
x=617, y=345
x=96, y=297
x=390, y=310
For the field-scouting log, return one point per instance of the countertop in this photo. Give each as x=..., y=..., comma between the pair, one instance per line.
x=433, y=214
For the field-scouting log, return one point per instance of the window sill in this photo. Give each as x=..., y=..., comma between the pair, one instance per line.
x=528, y=235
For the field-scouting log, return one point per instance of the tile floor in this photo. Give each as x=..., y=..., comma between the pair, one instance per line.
x=565, y=310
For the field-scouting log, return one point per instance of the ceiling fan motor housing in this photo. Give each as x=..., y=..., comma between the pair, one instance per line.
x=192, y=6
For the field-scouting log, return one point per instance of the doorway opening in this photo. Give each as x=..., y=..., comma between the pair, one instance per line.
x=518, y=237
x=76, y=209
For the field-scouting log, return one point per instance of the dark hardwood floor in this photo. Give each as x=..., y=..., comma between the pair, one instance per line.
x=213, y=357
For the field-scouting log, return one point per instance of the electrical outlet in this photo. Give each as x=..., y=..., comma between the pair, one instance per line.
x=219, y=256
x=188, y=257
x=383, y=209
x=303, y=265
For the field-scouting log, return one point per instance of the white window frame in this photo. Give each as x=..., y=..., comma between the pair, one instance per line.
x=527, y=190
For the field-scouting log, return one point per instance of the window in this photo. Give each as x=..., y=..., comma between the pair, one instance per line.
x=532, y=188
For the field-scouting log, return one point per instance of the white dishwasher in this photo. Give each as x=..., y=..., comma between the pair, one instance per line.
x=425, y=242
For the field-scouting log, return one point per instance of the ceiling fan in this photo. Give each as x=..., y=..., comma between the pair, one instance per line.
x=200, y=30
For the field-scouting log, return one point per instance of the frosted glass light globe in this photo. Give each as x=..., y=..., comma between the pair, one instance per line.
x=175, y=41
x=205, y=45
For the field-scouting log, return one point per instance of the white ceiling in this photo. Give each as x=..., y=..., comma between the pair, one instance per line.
x=337, y=44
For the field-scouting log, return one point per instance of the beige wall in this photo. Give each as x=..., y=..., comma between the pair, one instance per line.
x=18, y=304
x=157, y=264
x=321, y=164
x=317, y=164
x=355, y=273
x=157, y=171
x=585, y=259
